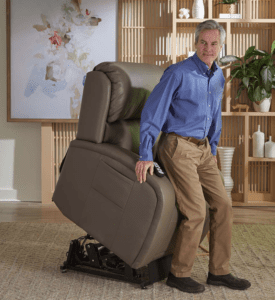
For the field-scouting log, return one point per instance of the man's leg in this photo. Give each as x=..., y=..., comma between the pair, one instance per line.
x=180, y=159
x=220, y=226
x=220, y=214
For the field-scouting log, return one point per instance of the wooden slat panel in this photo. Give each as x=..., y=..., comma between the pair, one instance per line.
x=47, y=158
x=63, y=134
x=146, y=27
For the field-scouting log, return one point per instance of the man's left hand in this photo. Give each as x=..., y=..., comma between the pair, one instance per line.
x=215, y=158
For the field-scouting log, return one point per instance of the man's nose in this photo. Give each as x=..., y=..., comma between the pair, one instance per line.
x=207, y=49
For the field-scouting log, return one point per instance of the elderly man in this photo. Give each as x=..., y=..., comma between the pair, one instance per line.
x=186, y=106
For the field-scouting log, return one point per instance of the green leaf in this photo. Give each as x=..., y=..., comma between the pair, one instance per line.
x=266, y=78
x=263, y=93
x=250, y=94
x=228, y=59
x=246, y=81
x=238, y=73
x=240, y=91
x=249, y=52
x=257, y=94
x=273, y=47
x=260, y=52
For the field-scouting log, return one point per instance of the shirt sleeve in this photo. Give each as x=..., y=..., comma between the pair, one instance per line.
x=155, y=112
x=215, y=130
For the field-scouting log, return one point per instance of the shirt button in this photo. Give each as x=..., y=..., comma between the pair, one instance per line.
x=208, y=119
x=209, y=105
x=209, y=92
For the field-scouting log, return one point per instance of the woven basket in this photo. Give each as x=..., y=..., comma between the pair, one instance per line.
x=228, y=8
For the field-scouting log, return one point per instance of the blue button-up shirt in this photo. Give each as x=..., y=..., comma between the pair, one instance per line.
x=187, y=101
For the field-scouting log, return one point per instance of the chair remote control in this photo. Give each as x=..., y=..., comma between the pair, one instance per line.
x=158, y=171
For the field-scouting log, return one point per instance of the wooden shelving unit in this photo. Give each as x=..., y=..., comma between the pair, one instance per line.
x=253, y=178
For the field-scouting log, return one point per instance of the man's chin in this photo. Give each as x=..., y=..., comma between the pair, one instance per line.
x=208, y=60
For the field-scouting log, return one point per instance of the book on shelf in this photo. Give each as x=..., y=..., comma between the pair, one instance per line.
x=230, y=16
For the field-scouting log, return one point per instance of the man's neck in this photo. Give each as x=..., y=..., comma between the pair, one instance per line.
x=212, y=67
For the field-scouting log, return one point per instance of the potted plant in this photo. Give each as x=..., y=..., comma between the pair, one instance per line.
x=258, y=75
x=228, y=6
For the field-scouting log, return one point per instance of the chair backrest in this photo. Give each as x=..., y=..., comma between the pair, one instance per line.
x=113, y=98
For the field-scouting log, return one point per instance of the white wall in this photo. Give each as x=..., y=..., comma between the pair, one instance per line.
x=20, y=142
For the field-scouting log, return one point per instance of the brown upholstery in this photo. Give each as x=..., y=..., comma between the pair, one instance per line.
x=98, y=189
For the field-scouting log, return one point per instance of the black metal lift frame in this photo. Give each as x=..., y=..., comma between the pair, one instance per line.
x=99, y=260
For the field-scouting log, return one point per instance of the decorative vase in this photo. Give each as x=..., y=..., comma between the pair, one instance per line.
x=258, y=143
x=269, y=148
x=198, y=9
x=264, y=105
x=229, y=8
x=226, y=156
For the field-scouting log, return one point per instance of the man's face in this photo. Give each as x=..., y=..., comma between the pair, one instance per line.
x=208, y=46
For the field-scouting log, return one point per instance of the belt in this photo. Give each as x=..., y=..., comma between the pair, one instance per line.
x=190, y=139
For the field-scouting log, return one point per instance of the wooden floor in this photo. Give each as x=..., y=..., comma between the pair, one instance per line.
x=36, y=212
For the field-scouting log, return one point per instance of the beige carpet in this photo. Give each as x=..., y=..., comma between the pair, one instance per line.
x=31, y=254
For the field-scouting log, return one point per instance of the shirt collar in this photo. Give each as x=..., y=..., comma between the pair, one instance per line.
x=203, y=66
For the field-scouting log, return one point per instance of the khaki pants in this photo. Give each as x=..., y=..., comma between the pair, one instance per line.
x=192, y=170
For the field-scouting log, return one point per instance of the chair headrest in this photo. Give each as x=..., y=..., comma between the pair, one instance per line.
x=131, y=85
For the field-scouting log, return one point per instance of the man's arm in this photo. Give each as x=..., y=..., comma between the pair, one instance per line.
x=155, y=112
x=153, y=117
x=215, y=131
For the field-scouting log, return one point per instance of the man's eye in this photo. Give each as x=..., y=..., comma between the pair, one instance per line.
x=212, y=44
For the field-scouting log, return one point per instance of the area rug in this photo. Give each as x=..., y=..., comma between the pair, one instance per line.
x=31, y=255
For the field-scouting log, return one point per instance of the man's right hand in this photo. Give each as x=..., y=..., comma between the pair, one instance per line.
x=141, y=169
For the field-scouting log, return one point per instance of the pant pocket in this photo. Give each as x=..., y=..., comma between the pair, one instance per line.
x=171, y=145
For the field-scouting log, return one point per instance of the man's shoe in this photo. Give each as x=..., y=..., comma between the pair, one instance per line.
x=228, y=280
x=185, y=284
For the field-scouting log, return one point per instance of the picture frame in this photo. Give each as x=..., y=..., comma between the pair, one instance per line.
x=51, y=46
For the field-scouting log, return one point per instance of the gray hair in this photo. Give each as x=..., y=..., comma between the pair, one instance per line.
x=210, y=24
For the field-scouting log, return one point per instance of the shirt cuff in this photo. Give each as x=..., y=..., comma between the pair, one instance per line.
x=146, y=157
x=214, y=150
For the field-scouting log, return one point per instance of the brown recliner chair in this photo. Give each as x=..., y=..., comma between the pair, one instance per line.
x=132, y=226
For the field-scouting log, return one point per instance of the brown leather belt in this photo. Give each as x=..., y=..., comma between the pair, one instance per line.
x=190, y=139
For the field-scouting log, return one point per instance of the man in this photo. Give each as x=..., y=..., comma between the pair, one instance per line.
x=186, y=106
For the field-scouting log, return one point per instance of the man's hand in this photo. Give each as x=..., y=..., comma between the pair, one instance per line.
x=141, y=169
x=215, y=158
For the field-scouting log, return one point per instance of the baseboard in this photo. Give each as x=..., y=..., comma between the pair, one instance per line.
x=8, y=194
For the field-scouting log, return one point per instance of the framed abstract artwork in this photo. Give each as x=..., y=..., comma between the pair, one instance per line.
x=51, y=46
